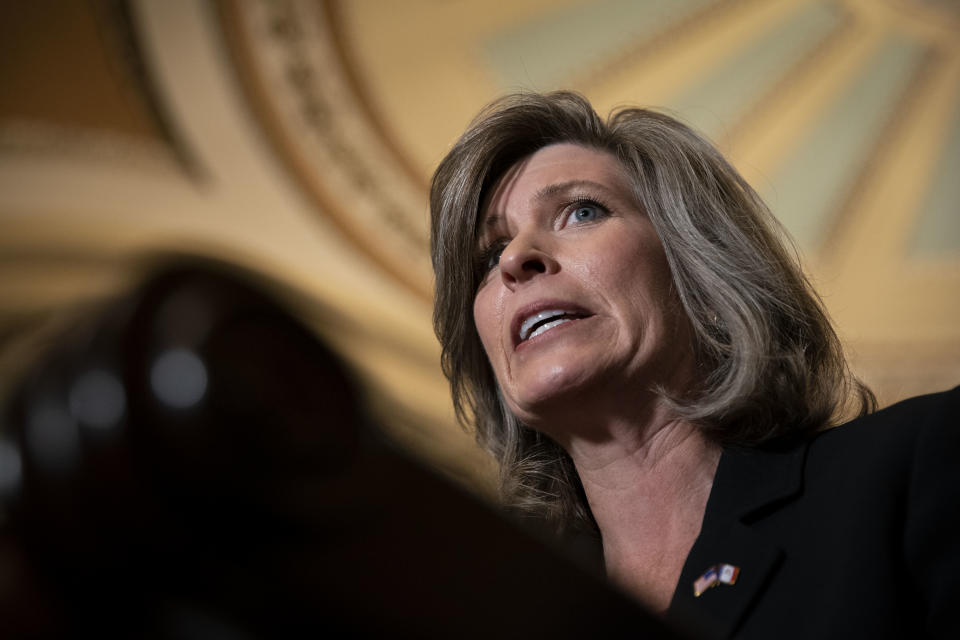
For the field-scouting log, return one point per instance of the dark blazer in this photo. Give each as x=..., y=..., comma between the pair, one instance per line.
x=853, y=534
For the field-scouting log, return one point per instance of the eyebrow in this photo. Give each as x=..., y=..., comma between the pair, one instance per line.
x=545, y=193
x=557, y=188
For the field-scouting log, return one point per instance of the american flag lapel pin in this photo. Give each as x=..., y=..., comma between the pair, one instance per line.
x=704, y=582
x=717, y=574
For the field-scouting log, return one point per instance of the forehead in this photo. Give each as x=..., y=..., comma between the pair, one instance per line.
x=549, y=171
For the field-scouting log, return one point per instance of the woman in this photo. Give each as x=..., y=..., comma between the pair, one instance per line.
x=623, y=326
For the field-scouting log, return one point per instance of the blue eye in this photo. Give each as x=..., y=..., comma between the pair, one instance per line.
x=586, y=212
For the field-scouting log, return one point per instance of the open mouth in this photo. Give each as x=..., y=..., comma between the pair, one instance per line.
x=543, y=321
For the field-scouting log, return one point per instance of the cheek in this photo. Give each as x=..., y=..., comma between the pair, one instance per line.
x=629, y=266
x=633, y=274
x=486, y=318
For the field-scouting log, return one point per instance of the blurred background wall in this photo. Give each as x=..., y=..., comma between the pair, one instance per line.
x=296, y=138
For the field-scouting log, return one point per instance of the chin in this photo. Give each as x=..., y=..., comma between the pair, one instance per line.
x=560, y=392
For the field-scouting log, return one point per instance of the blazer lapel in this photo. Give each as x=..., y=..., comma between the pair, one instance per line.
x=747, y=484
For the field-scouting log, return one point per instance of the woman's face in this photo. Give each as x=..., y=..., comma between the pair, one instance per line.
x=576, y=312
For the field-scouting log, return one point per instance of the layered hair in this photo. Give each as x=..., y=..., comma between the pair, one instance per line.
x=772, y=365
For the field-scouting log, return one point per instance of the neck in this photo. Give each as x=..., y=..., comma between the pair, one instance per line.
x=647, y=486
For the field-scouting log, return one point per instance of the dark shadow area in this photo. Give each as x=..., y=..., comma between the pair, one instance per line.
x=194, y=463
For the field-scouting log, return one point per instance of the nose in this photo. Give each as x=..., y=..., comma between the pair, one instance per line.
x=522, y=259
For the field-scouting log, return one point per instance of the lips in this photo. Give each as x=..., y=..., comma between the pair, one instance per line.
x=539, y=318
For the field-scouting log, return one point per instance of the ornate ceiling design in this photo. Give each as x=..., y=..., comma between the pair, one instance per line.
x=297, y=138
x=822, y=104
x=288, y=57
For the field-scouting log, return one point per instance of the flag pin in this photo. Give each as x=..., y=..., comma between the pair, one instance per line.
x=717, y=574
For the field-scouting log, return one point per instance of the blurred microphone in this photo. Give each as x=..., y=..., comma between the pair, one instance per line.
x=195, y=463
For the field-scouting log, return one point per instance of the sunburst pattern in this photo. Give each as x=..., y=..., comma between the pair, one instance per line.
x=840, y=112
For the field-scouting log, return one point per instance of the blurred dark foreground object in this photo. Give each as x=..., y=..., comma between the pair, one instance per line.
x=196, y=464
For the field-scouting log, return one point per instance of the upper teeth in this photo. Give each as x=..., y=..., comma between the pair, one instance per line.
x=526, y=329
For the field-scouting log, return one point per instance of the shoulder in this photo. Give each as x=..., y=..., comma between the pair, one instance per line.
x=863, y=517
x=880, y=466
x=897, y=429
x=883, y=444
x=907, y=455
x=900, y=461
x=934, y=406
